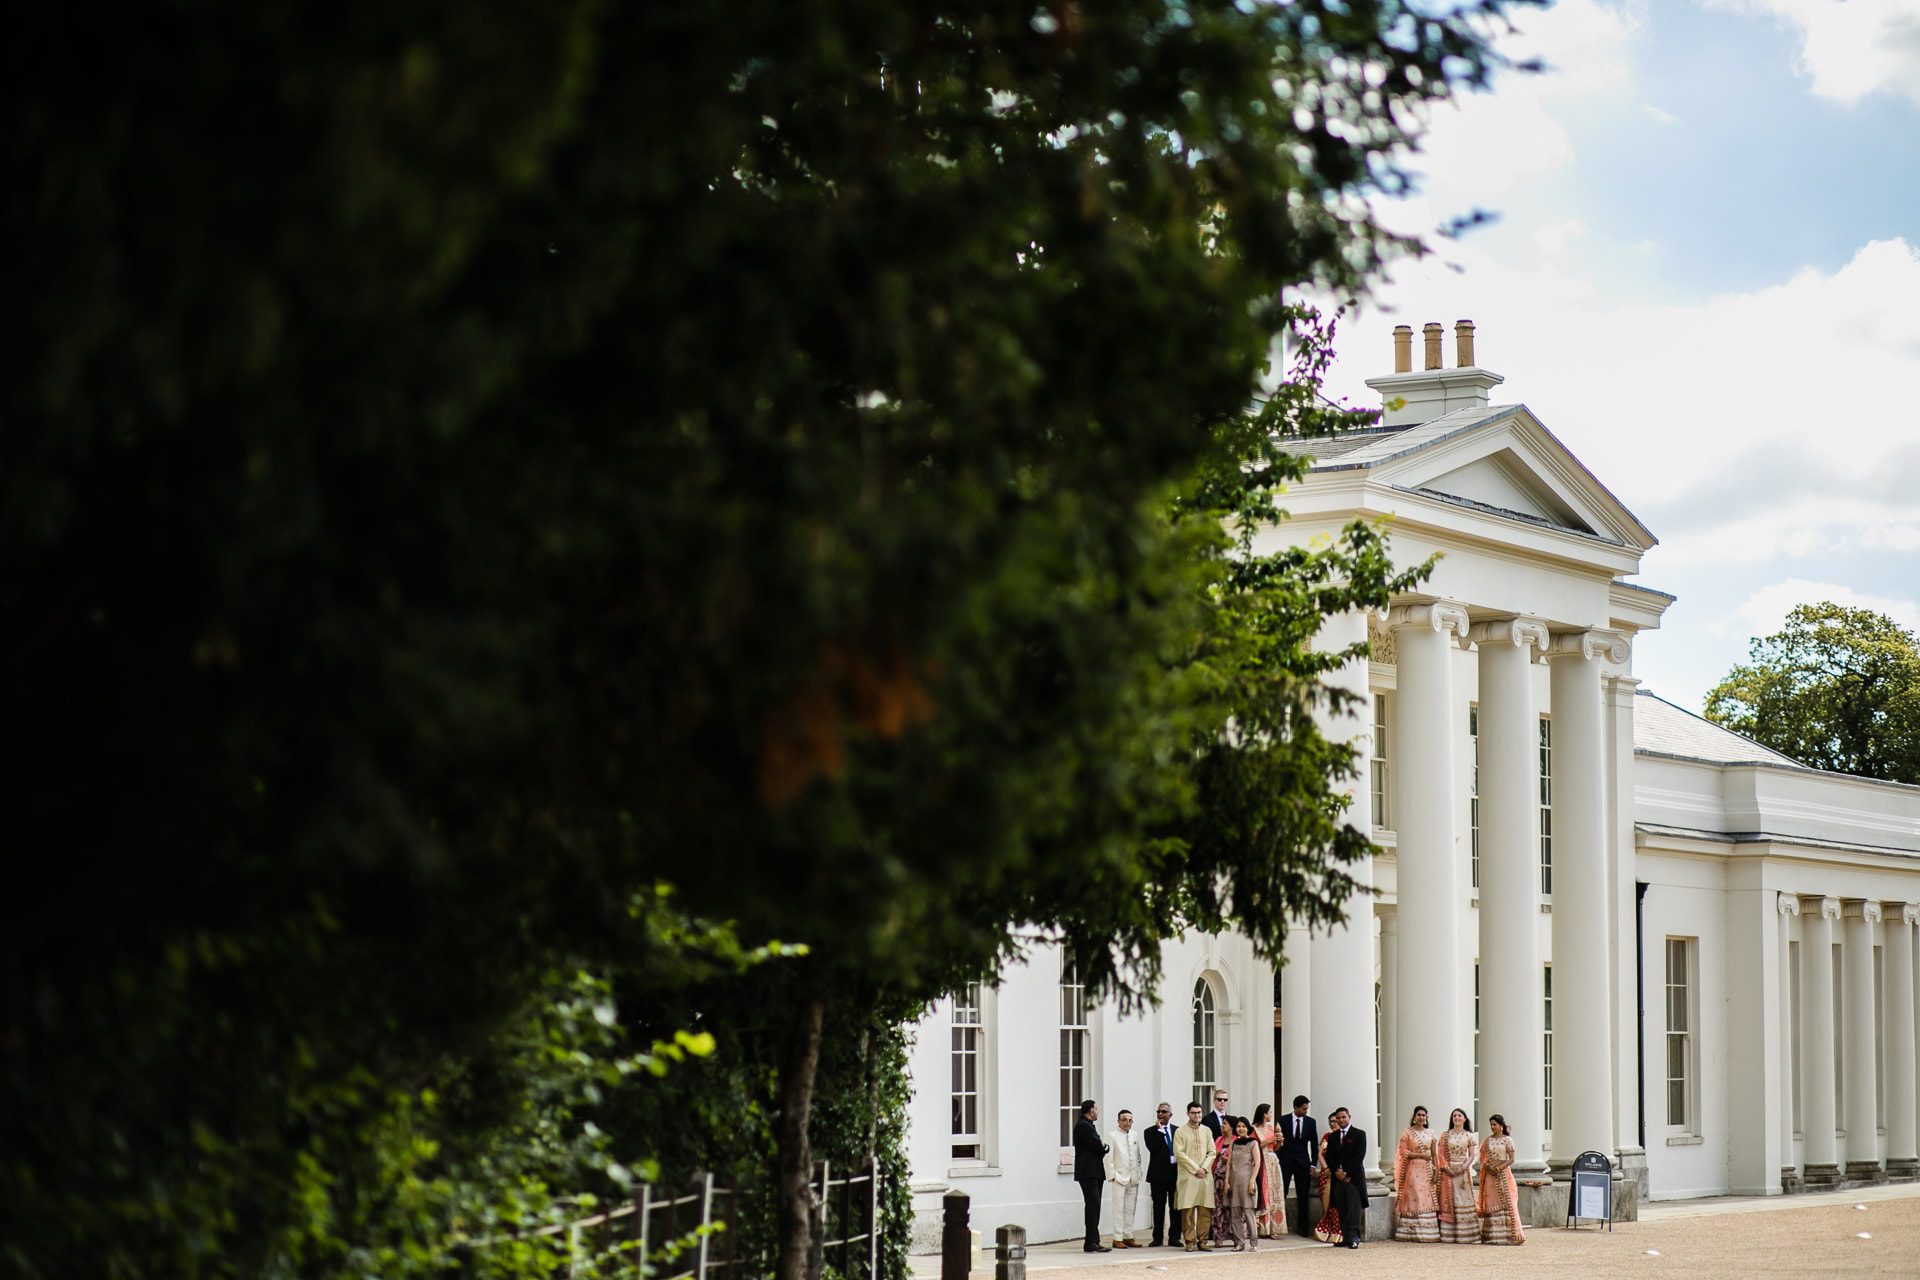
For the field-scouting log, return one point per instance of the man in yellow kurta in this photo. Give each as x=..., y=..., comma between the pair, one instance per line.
x=1193, y=1189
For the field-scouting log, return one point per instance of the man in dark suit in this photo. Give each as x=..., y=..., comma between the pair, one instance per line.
x=1216, y=1119
x=1299, y=1157
x=1347, y=1183
x=1160, y=1175
x=1090, y=1170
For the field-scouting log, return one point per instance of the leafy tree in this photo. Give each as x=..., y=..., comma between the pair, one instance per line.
x=1836, y=688
x=466, y=466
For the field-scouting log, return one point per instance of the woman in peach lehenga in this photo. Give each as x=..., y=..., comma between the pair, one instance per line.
x=1453, y=1158
x=1272, y=1222
x=1499, y=1198
x=1328, y=1228
x=1415, y=1202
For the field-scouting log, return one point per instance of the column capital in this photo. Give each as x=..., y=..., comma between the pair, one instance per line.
x=1867, y=910
x=1789, y=904
x=1829, y=908
x=1513, y=631
x=1439, y=615
x=1588, y=645
x=1909, y=912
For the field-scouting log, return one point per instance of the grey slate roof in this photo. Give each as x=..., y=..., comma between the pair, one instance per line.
x=1351, y=449
x=1661, y=728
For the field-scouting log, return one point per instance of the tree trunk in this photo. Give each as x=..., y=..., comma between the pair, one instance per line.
x=799, y=1060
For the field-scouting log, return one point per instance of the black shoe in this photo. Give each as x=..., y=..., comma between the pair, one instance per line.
x=1155, y=1245
x=1353, y=1244
x=1096, y=1248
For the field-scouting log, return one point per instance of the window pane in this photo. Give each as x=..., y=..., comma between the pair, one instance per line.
x=1676, y=1102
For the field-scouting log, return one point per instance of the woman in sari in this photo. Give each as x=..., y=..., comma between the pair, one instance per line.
x=1273, y=1219
x=1328, y=1228
x=1416, y=1202
x=1453, y=1158
x=1499, y=1198
x=1223, y=1216
x=1244, y=1178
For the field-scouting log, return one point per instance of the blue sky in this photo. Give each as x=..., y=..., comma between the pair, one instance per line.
x=1705, y=279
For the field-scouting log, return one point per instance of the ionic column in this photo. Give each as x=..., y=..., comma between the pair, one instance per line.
x=1510, y=975
x=1903, y=1152
x=1582, y=1029
x=1789, y=908
x=1342, y=968
x=1862, y=1063
x=1430, y=1044
x=1819, y=1116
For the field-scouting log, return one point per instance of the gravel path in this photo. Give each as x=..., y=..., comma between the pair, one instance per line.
x=1790, y=1241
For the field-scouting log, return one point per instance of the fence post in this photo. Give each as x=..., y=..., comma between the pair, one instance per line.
x=706, y=1221
x=573, y=1250
x=956, y=1238
x=817, y=1255
x=641, y=1204
x=1010, y=1253
x=873, y=1219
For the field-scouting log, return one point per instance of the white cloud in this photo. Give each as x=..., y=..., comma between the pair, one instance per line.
x=1849, y=50
x=1769, y=425
x=1765, y=611
x=1658, y=115
x=1478, y=146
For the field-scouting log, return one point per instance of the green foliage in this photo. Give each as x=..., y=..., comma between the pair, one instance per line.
x=1836, y=688
x=466, y=466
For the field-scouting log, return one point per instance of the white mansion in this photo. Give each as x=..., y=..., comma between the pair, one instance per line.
x=1625, y=928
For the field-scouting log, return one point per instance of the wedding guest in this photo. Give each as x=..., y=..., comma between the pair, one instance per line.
x=1244, y=1176
x=1299, y=1161
x=1416, y=1203
x=1273, y=1217
x=1162, y=1174
x=1347, y=1158
x=1090, y=1170
x=1223, y=1214
x=1453, y=1160
x=1126, y=1166
x=1499, y=1198
x=1193, y=1191
x=1327, y=1229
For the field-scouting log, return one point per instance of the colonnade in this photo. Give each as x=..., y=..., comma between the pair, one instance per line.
x=1426, y=951
x=1840, y=1112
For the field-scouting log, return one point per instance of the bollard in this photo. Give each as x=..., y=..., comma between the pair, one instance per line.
x=956, y=1238
x=1010, y=1253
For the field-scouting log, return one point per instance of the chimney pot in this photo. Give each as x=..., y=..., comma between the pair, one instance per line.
x=1463, y=340
x=1403, y=348
x=1433, y=331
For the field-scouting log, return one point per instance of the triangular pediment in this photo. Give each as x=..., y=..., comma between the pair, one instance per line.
x=1504, y=481
x=1504, y=462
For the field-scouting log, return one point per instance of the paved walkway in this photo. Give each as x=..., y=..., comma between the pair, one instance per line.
x=1738, y=1238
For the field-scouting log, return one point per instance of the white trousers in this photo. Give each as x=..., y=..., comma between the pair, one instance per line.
x=1126, y=1203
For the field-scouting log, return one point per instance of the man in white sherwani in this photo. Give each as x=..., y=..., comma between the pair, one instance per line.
x=1126, y=1170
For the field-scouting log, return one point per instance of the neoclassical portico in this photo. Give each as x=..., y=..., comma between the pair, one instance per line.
x=1624, y=928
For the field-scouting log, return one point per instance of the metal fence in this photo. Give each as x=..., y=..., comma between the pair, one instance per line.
x=665, y=1236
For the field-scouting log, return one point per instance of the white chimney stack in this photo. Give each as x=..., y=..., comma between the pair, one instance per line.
x=1412, y=398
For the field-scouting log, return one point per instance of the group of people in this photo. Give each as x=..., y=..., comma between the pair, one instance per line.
x=1219, y=1179
x=1436, y=1200
x=1223, y=1180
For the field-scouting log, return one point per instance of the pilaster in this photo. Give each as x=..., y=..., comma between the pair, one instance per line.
x=1819, y=1117
x=1903, y=1155
x=1860, y=1056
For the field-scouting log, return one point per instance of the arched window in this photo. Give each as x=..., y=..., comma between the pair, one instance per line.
x=1205, y=1043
